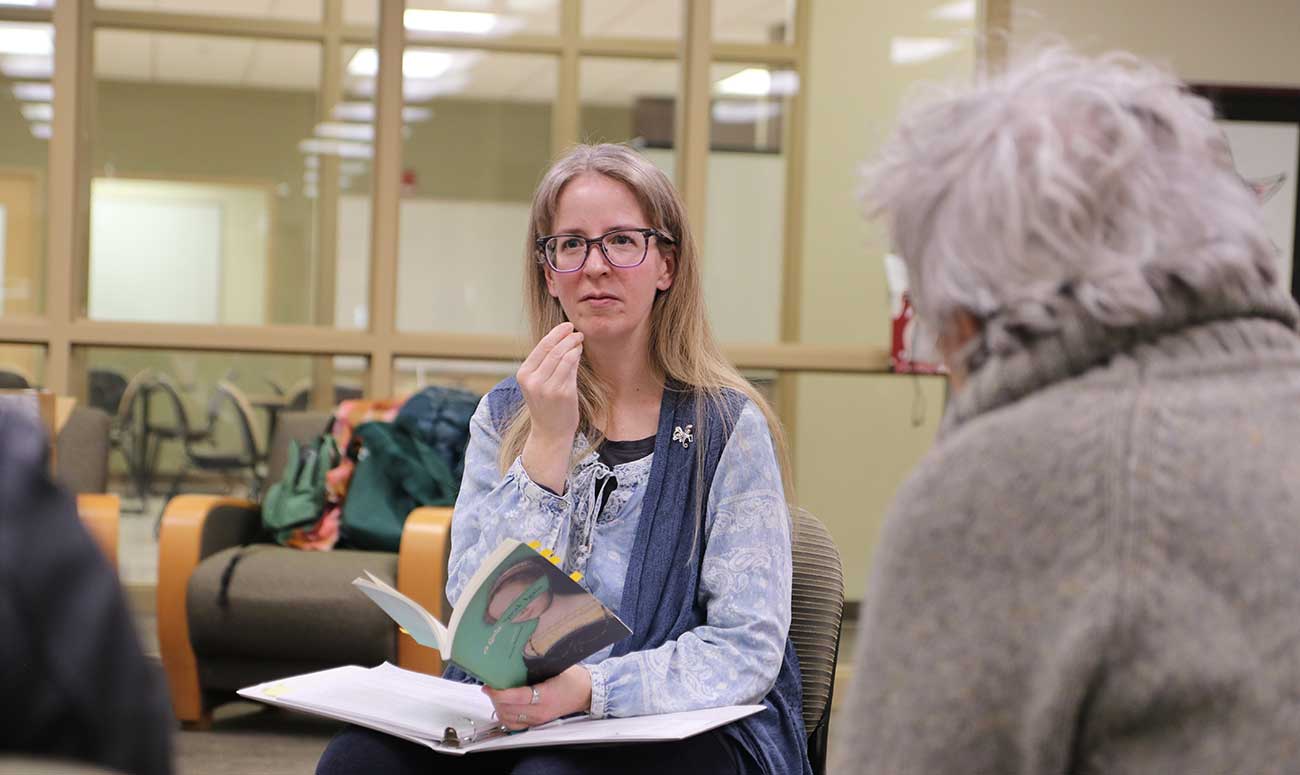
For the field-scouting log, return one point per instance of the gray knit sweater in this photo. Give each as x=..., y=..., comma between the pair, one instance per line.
x=1097, y=567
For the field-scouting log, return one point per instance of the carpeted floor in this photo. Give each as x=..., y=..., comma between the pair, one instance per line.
x=251, y=739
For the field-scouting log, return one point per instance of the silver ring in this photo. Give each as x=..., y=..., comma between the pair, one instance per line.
x=537, y=696
x=523, y=717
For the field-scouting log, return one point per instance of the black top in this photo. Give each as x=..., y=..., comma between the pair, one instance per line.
x=616, y=453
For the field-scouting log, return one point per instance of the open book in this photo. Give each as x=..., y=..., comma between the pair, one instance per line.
x=520, y=620
x=457, y=718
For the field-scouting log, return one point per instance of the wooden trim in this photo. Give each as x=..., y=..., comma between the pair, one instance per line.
x=422, y=576
x=567, y=109
x=514, y=44
x=693, y=120
x=386, y=202
x=205, y=24
x=311, y=340
x=794, y=144
x=994, y=22
x=26, y=15
x=68, y=210
x=180, y=546
x=99, y=513
x=327, y=202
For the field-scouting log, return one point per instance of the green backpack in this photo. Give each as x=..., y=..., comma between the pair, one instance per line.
x=298, y=499
x=396, y=472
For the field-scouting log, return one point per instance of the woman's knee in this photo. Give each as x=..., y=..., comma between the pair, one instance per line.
x=356, y=751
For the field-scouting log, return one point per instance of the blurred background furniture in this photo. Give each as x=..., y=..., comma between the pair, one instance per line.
x=204, y=449
x=816, y=622
x=11, y=378
x=284, y=611
x=81, y=465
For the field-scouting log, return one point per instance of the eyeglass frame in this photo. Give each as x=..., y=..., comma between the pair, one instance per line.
x=599, y=242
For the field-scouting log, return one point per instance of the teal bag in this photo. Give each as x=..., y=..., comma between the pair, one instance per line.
x=395, y=474
x=298, y=499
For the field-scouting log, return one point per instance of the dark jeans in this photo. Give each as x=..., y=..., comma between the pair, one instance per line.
x=356, y=750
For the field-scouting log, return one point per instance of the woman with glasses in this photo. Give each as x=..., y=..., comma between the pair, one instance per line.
x=630, y=447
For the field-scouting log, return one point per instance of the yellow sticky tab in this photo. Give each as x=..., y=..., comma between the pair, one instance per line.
x=275, y=691
x=555, y=559
x=535, y=544
x=546, y=553
x=576, y=575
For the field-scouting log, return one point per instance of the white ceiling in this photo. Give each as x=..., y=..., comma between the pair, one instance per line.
x=251, y=63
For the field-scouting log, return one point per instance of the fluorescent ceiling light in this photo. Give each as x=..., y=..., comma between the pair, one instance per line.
x=41, y=131
x=311, y=162
x=38, y=111
x=365, y=111
x=462, y=22
x=416, y=63
x=960, y=11
x=30, y=39
x=911, y=51
x=34, y=91
x=759, y=82
x=725, y=112
x=338, y=130
x=19, y=3
x=25, y=66
x=341, y=148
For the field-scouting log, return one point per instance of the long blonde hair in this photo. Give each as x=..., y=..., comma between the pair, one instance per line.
x=682, y=348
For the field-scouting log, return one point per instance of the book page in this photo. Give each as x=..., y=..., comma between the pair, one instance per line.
x=387, y=698
x=639, y=729
x=410, y=615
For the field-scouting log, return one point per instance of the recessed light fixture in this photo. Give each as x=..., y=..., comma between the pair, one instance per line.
x=38, y=111
x=960, y=11
x=339, y=130
x=759, y=82
x=460, y=22
x=34, y=91
x=365, y=111
x=27, y=66
x=415, y=63
x=911, y=51
x=29, y=39
x=340, y=148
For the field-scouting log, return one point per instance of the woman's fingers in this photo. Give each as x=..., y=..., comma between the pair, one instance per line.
x=546, y=370
x=544, y=346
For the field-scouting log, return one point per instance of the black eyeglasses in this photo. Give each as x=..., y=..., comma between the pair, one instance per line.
x=622, y=248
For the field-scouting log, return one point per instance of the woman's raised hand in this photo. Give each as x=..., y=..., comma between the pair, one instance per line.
x=548, y=379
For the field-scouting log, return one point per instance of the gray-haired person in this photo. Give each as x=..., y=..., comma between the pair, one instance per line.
x=1096, y=569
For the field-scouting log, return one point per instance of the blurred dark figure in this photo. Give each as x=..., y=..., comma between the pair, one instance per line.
x=74, y=682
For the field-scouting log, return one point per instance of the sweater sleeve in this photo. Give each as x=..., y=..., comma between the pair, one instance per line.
x=734, y=657
x=491, y=507
x=989, y=611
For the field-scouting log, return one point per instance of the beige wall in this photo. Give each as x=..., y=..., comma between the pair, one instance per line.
x=1251, y=42
x=855, y=438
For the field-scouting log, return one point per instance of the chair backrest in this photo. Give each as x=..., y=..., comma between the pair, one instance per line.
x=81, y=460
x=13, y=379
x=104, y=389
x=163, y=384
x=134, y=388
x=817, y=609
x=249, y=432
x=302, y=427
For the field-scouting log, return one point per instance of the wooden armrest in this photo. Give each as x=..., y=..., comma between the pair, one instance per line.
x=181, y=546
x=422, y=576
x=99, y=513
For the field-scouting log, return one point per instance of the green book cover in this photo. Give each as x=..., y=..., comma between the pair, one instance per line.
x=520, y=620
